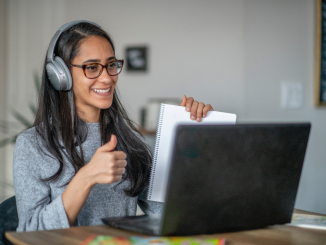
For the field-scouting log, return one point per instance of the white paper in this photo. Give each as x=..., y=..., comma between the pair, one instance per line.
x=172, y=117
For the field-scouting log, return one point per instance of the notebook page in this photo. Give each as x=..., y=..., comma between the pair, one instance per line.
x=170, y=117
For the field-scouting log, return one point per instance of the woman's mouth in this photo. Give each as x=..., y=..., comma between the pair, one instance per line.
x=102, y=92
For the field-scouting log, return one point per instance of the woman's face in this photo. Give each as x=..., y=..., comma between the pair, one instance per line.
x=92, y=95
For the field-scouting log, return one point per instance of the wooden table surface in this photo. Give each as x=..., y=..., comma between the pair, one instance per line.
x=280, y=234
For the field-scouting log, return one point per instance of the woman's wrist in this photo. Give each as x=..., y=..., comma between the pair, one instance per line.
x=76, y=194
x=84, y=179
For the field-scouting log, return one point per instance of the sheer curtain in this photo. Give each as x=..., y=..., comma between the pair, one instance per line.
x=26, y=28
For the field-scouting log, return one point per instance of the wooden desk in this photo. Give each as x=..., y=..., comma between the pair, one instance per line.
x=280, y=234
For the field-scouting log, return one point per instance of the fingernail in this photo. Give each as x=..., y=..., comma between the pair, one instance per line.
x=187, y=109
x=204, y=115
x=198, y=119
x=193, y=118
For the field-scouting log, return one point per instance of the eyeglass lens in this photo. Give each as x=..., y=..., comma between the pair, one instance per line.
x=94, y=70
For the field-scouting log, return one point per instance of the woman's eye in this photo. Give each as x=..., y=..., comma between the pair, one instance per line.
x=111, y=65
x=91, y=67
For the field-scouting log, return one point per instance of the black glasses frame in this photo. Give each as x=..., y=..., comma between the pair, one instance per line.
x=106, y=66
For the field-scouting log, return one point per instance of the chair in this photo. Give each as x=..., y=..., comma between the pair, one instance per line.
x=8, y=219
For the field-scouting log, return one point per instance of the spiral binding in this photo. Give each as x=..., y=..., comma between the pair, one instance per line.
x=157, y=143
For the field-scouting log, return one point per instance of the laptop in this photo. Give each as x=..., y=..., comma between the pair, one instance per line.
x=227, y=178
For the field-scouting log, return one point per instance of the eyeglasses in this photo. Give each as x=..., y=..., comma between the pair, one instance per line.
x=94, y=70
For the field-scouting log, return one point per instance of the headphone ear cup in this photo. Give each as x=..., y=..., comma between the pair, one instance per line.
x=53, y=75
x=66, y=83
x=59, y=74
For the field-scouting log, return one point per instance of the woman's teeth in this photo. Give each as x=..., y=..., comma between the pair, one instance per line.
x=101, y=91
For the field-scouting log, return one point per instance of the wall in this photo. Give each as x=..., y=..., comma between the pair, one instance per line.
x=279, y=46
x=244, y=48
x=3, y=29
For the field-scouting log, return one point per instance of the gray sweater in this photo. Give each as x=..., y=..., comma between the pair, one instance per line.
x=39, y=203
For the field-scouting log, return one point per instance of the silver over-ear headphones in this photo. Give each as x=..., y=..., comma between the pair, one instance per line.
x=56, y=69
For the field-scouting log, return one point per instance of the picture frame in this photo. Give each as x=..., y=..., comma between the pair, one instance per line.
x=320, y=53
x=136, y=58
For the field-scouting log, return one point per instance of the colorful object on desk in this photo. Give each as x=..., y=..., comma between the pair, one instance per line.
x=137, y=240
x=106, y=240
x=308, y=219
x=142, y=240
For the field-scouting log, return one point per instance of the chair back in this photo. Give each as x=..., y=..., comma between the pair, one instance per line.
x=8, y=219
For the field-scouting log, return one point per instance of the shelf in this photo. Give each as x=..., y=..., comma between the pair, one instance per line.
x=147, y=132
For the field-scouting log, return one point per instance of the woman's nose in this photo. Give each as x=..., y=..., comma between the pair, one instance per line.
x=105, y=77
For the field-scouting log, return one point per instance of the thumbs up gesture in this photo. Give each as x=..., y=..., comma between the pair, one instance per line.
x=106, y=166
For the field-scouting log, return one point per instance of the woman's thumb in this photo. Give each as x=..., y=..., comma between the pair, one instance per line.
x=110, y=146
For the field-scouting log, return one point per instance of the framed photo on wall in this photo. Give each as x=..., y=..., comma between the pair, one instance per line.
x=320, y=55
x=136, y=58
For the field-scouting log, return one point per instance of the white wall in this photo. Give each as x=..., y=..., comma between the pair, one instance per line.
x=279, y=46
x=244, y=48
x=2, y=87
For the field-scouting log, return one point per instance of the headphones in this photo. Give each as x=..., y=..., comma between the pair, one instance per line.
x=56, y=69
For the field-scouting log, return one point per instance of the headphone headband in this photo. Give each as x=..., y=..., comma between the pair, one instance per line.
x=56, y=69
x=50, y=54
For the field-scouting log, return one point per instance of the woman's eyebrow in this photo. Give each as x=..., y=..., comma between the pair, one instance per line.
x=97, y=60
x=111, y=58
x=91, y=60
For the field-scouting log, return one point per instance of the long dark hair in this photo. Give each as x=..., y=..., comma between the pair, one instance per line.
x=60, y=129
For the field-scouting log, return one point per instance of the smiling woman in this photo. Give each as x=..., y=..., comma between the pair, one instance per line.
x=84, y=159
x=92, y=87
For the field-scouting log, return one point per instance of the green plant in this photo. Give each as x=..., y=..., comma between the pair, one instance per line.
x=13, y=129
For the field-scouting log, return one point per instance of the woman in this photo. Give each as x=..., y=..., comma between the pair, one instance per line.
x=83, y=159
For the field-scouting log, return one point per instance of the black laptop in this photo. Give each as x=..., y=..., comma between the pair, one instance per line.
x=228, y=178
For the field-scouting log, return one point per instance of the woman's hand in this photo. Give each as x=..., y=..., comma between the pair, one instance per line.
x=198, y=110
x=106, y=166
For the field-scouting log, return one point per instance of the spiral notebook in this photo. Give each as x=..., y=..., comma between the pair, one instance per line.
x=170, y=117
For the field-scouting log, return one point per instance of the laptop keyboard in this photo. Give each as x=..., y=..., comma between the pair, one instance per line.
x=147, y=224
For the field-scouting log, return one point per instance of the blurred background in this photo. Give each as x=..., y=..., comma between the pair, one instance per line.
x=241, y=56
